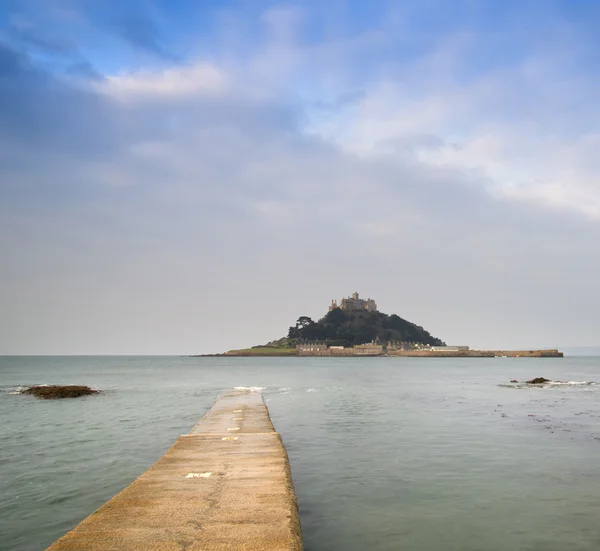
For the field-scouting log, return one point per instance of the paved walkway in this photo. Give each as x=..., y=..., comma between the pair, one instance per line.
x=225, y=485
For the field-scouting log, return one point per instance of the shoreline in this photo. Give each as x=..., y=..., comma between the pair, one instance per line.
x=532, y=353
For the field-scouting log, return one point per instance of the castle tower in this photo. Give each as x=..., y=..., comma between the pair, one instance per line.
x=354, y=304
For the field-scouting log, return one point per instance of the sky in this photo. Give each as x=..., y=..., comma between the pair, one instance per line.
x=183, y=177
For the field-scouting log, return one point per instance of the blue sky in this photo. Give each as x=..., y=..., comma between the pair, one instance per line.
x=182, y=177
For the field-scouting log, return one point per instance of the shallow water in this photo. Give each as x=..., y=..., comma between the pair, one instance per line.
x=387, y=453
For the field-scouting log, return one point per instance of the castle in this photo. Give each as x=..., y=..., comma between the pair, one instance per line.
x=354, y=304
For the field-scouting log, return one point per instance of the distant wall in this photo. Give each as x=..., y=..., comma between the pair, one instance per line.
x=324, y=350
x=550, y=353
x=313, y=350
x=368, y=350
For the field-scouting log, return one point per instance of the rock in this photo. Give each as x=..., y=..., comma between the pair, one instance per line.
x=56, y=391
x=514, y=381
x=538, y=381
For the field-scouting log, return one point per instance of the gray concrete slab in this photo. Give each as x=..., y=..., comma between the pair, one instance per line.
x=224, y=486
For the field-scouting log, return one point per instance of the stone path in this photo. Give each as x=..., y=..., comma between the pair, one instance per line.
x=224, y=486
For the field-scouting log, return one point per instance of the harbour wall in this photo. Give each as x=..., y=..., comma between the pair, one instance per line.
x=225, y=485
x=549, y=353
x=378, y=350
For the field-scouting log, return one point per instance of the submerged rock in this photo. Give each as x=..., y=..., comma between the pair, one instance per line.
x=538, y=381
x=514, y=381
x=57, y=391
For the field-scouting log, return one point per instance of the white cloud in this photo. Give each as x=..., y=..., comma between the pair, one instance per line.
x=523, y=141
x=199, y=79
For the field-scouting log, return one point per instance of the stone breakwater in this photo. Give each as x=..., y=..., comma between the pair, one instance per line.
x=378, y=350
x=225, y=485
x=549, y=353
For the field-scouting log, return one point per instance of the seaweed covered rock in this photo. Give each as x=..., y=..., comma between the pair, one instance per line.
x=538, y=381
x=52, y=392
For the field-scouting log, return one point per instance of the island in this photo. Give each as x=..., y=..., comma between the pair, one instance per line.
x=355, y=328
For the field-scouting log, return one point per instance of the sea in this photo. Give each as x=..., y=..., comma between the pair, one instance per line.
x=411, y=454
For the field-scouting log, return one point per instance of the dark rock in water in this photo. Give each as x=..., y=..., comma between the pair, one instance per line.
x=56, y=391
x=514, y=381
x=538, y=381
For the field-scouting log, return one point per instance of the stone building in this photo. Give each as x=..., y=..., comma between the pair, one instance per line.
x=322, y=349
x=354, y=304
x=313, y=349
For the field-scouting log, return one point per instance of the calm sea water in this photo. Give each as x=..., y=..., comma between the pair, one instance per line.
x=386, y=453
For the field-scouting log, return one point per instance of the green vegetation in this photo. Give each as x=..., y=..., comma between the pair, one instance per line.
x=284, y=343
x=343, y=328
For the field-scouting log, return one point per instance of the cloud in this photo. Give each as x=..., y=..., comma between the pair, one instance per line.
x=142, y=33
x=181, y=81
x=342, y=100
x=210, y=205
x=284, y=23
x=503, y=123
x=83, y=69
x=25, y=33
x=43, y=42
x=41, y=113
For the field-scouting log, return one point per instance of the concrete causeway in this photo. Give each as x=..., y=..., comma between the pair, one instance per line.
x=226, y=485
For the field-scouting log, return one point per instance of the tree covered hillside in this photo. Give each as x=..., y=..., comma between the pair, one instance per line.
x=350, y=328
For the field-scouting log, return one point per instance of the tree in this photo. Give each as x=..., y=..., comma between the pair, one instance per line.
x=305, y=328
x=350, y=328
x=335, y=317
x=303, y=322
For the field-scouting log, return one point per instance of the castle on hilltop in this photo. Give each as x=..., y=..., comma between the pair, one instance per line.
x=354, y=304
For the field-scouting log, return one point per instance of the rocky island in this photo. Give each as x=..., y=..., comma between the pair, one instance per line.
x=355, y=327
